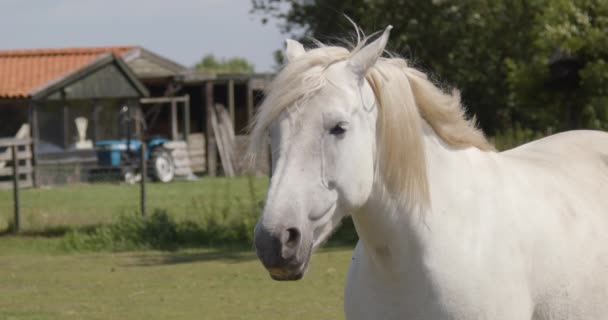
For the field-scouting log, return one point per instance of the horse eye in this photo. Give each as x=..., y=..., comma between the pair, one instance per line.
x=337, y=130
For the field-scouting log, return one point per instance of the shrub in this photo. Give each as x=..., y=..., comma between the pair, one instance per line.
x=160, y=231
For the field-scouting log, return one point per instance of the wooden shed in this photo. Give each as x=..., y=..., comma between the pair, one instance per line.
x=182, y=99
x=168, y=114
x=51, y=88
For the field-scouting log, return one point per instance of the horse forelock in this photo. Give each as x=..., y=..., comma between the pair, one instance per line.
x=297, y=82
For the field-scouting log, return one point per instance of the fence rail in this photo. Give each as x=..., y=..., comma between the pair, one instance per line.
x=16, y=162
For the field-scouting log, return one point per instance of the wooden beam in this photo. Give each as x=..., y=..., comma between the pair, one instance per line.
x=21, y=155
x=231, y=101
x=143, y=171
x=186, y=118
x=66, y=125
x=164, y=99
x=211, y=149
x=139, y=118
x=174, y=132
x=249, y=102
x=7, y=142
x=34, y=133
x=17, y=219
x=8, y=171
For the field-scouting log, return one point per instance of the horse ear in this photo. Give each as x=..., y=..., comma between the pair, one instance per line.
x=362, y=60
x=293, y=49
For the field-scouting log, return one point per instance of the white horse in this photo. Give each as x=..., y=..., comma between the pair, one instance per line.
x=448, y=227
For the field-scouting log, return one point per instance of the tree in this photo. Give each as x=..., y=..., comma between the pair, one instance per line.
x=577, y=29
x=209, y=63
x=478, y=46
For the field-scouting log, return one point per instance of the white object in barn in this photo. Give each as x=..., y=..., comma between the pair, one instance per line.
x=81, y=127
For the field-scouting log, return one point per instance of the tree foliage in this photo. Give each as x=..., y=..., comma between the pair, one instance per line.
x=572, y=28
x=496, y=52
x=209, y=63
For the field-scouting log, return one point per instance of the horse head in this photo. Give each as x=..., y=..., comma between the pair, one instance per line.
x=321, y=115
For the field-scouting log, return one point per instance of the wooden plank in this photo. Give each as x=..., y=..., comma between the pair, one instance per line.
x=197, y=137
x=249, y=102
x=196, y=153
x=187, y=118
x=142, y=182
x=175, y=145
x=7, y=142
x=211, y=149
x=17, y=217
x=180, y=154
x=9, y=171
x=174, y=132
x=231, y=100
x=228, y=129
x=181, y=163
x=197, y=161
x=35, y=133
x=164, y=99
x=224, y=152
x=224, y=132
x=227, y=134
x=66, y=125
x=21, y=155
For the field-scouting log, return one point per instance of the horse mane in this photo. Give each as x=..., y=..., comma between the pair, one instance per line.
x=406, y=98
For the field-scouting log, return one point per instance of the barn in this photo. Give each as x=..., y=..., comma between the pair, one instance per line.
x=51, y=90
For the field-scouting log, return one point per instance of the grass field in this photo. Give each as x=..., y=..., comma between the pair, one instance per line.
x=100, y=203
x=187, y=284
x=41, y=279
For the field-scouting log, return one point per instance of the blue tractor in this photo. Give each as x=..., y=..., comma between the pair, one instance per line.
x=124, y=155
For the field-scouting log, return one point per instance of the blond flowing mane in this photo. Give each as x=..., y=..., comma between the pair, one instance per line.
x=405, y=99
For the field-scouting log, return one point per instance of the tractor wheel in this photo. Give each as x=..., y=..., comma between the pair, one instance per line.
x=163, y=169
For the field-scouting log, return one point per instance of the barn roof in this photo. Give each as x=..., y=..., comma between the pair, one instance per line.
x=149, y=65
x=23, y=72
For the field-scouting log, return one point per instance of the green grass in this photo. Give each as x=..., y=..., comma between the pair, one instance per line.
x=187, y=284
x=68, y=264
x=78, y=205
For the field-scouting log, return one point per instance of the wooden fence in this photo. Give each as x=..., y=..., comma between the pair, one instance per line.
x=17, y=152
x=17, y=155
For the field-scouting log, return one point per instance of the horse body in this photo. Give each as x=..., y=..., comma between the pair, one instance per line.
x=448, y=228
x=515, y=235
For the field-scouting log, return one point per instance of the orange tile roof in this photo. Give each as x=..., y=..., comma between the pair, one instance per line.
x=22, y=71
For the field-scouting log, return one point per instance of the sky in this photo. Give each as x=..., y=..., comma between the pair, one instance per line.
x=181, y=30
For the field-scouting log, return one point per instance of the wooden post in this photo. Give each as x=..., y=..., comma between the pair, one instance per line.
x=137, y=117
x=231, y=101
x=14, y=150
x=211, y=149
x=35, y=135
x=66, y=126
x=142, y=182
x=249, y=102
x=173, y=120
x=186, y=117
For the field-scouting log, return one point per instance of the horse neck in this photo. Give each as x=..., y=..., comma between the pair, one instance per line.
x=388, y=229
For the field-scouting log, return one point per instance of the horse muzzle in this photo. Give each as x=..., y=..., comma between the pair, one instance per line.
x=283, y=253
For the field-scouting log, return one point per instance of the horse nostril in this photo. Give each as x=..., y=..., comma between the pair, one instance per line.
x=291, y=237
